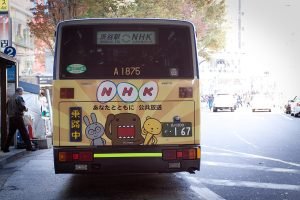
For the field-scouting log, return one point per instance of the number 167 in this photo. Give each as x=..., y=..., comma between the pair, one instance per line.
x=185, y=131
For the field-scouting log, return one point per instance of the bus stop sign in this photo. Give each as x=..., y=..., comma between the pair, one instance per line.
x=11, y=51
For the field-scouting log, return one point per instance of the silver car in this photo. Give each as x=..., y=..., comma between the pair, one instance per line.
x=261, y=103
x=224, y=102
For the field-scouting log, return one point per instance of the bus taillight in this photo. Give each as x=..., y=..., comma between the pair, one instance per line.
x=184, y=154
x=189, y=154
x=179, y=154
x=75, y=156
x=170, y=154
x=65, y=156
x=84, y=156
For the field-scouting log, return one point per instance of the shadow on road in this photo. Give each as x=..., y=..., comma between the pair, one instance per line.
x=138, y=186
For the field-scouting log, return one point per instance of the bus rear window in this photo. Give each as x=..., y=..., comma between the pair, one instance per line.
x=125, y=51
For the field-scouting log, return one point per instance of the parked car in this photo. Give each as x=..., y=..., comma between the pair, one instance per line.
x=287, y=107
x=295, y=106
x=224, y=102
x=261, y=103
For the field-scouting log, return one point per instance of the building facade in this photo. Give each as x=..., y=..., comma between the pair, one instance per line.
x=33, y=57
x=21, y=38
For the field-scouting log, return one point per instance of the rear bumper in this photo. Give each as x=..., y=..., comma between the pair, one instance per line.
x=128, y=164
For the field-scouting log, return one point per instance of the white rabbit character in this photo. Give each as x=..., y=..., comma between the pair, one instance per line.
x=94, y=130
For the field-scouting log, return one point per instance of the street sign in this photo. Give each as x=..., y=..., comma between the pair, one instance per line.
x=4, y=6
x=11, y=51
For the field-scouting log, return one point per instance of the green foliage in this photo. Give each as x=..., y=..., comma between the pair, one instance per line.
x=151, y=9
x=99, y=8
x=207, y=15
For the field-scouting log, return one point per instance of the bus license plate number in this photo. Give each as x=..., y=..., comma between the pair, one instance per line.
x=181, y=129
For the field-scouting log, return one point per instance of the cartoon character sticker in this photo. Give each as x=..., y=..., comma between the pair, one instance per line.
x=94, y=130
x=151, y=127
x=124, y=129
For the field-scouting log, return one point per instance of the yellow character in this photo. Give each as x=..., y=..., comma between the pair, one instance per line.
x=151, y=127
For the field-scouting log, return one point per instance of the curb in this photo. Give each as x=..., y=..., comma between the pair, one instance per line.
x=6, y=158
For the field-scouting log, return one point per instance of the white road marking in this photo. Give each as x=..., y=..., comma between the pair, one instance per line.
x=249, y=184
x=246, y=141
x=253, y=156
x=251, y=167
x=202, y=191
x=205, y=193
x=222, y=154
x=286, y=117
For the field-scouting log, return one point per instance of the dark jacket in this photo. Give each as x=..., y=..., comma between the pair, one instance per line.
x=16, y=106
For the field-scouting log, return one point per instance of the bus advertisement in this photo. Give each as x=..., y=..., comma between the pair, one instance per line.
x=126, y=97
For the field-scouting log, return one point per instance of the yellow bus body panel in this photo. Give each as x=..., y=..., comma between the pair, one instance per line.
x=170, y=114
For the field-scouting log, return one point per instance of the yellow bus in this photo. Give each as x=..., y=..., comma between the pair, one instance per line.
x=126, y=97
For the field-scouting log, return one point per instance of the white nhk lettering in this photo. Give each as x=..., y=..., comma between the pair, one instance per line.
x=126, y=37
x=127, y=92
x=141, y=37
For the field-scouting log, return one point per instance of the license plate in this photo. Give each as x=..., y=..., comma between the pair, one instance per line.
x=181, y=129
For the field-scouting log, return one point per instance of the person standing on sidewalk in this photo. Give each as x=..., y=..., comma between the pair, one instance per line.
x=15, y=109
x=210, y=101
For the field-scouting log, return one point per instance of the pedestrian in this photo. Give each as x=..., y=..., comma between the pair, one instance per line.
x=15, y=109
x=210, y=101
x=44, y=104
x=239, y=102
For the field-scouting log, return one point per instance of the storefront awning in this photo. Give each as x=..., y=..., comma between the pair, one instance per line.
x=6, y=60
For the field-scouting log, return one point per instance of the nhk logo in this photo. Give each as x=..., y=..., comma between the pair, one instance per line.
x=138, y=37
x=127, y=92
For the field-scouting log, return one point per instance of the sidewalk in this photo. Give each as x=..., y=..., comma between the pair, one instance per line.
x=15, y=153
x=10, y=156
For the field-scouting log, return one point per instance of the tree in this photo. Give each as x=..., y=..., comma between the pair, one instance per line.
x=42, y=27
x=47, y=16
x=207, y=15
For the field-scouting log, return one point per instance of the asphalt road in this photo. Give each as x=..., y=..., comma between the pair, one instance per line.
x=245, y=155
x=251, y=155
